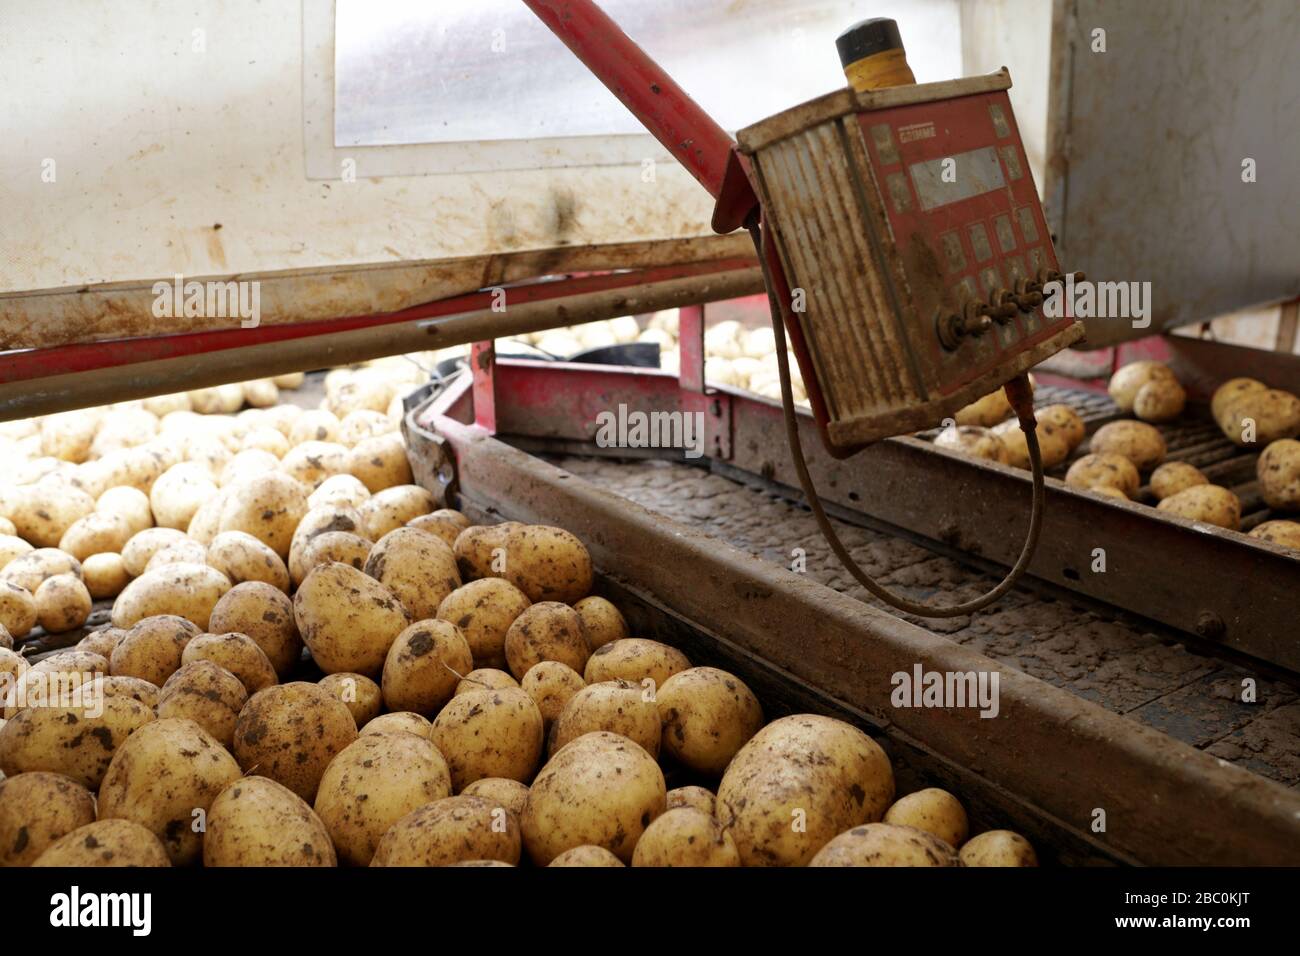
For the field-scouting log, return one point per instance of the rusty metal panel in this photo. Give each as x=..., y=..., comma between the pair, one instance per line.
x=1146, y=146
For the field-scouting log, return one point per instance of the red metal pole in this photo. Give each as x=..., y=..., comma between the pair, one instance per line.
x=689, y=133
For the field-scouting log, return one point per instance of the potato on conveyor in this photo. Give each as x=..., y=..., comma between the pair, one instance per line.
x=255, y=821
x=106, y=843
x=456, y=830
x=489, y=733
x=290, y=733
x=207, y=694
x=1230, y=391
x=62, y=603
x=707, y=715
x=1285, y=533
x=486, y=678
x=484, y=610
x=501, y=792
x=548, y=631
x=184, y=589
x=616, y=706
x=998, y=848
x=152, y=648
x=884, y=844
x=347, y=619
x=1128, y=381
x=264, y=613
x=636, y=660
x=602, y=622
x=36, y=809
x=424, y=665
x=698, y=797
x=68, y=740
x=416, y=567
x=105, y=575
x=1139, y=442
x=1052, y=443
x=31, y=569
x=17, y=609
x=685, y=837
x=986, y=412
x=1173, y=477
x=551, y=685
x=1160, y=401
x=587, y=855
x=935, y=811
x=1278, y=471
x=400, y=723
x=1211, y=504
x=1067, y=421
x=1260, y=417
x=973, y=440
x=1104, y=470
x=362, y=696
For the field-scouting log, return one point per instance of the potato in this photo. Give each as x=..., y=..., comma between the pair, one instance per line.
x=311, y=462
x=30, y=570
x=708, y=715
x=424, y=665
x=587, y=855
x=151, y=650
x=61, y=679
x=602, y=623
x=268, y=439
x=439, y=525
x=821, y=773
x=364, y=423
x=187, y=551
x=48, y=511
x=935, y=811
x=237, y=653
x=324, y=519
x=248, y=463
x=697, y=797
x=95, y=533
x=616, y=706
x=68, y=740
x=186, y=590
x=130, y=504
x=1284, y=533
x=1173, y=477
x=1136, y=441
x=399, y=723
x=11, y=547
x=1278, y=471
x=341, y=546
x=142, y=546
x=1104, y=470
x=489, y=733
x=1208, y=503
x=453, y=830
x=221, y=399
x=207, y=694
x=105, y=843
x=1256, y=417
x=315, y=424
x=206, y=523
x=261, y=393
x=36, y=809
x=484, y=611
x=289, y=380
x=973, y=440
x=548, y=631
x=1053, y=445
x=281, y=418
x=241, y=557
x=416, y=567
x=552, y=685
x=105, y=575
x=1230, y=391
x=102, y=642
x=290, y=733
x=884, y=844
x=196, y=768
x=485, y=678
x=685, y=837
x=500, y=792
x=548, y=564
x=347, y=619
x=636, y=660
x=372, y=784
x=132, y=687
x=392, y=508
x=481, y=550
x=255, y=821
x=380, y=462
x=1160, y=401
x=17, y=609
x=1128, y=381
x=600, y=790
x=1067, y=423
x=68, y=435
x=362, y=696
x=7, y=640
x=998, y=848
x=339, y=490
x=179, y=493
x=62, y=603
x=266, y=615
x=988, y=411
x=267, y=506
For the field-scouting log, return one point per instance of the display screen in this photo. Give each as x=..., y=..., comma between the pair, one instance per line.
x=950, y=179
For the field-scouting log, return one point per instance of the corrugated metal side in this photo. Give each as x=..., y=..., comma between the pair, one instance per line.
x=814, y=192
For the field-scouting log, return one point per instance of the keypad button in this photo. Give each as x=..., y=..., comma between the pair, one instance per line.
x=1006, y=237
x=1028, y=227
x=979, y=241
x=952, y=251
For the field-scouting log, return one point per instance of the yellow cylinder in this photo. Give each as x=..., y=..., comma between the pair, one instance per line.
x=872, y=55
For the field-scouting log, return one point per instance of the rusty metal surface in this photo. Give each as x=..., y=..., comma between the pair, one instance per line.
x=1165, y=802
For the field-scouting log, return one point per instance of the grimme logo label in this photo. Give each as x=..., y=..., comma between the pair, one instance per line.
x=922, y=688
x=639, y=429
x=76, y=909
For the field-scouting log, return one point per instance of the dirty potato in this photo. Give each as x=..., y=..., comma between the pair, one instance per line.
x=264, y=613
x=424, y=665
x=1285, y=533
x=341, y=546
x=130, y=504
x=933, y=810
x=637, y=660
x=186, y=590
x=485, y=678
x=132, y=687
x=1209, y=503
x=1278, y=471
x=1160, y=401
x=320, y=520
x=417, y=567
x=290, y=733
x=106, y=843
x=311, y=462
x=1067, y=422
x=1104, y=470
x=68, y=740
x=29, y=570
x=602, y=622
x=484, y=611
x=707, y=715
x=241, y=557
x=697, y=797
x=884, y=844
x=17, y=609
x=481, y=550
x=151, y=649
x=196, y=768
x=1138, y=442
x=35, y=810
x=616, y=706
x=685, y=837
x=347, y=619
x=587, y=855
x=380, y=462
x=237, y=653
x=340, y=491
x=1128, y=381
x=489, y=733
x=1053, y=445
x=551, y=685
x=95, y=533
x=998, y=848
x=438, y=523
x=599, y=790
x=267, y=506
x=973, y=440
x=143, y=545
x=359, y=694
x=404, y=722
x=1173, y=477
x=548, y=631
x=372, y=784
x=392, y=508
x=207, y=694
x=257, y=822
x=62, y=603
x=453, y=830
x=46, y=512
x=500, y=792
x=988, y=411
x=1259, y=417
x=105, y=575
x=548, y=564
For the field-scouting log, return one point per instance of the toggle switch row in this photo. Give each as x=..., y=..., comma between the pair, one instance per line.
x=1002, y=306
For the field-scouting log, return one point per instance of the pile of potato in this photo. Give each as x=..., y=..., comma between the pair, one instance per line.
x=463, y=700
